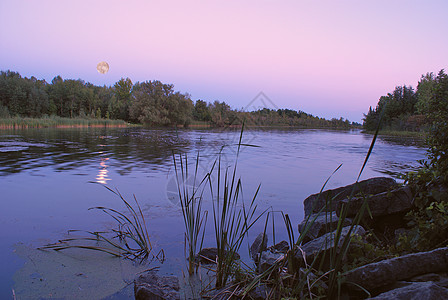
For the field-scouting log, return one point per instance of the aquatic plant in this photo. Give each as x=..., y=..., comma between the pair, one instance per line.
x=130, y=240
x=191, y=197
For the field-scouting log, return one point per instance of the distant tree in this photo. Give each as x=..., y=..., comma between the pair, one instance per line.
x=122, y=90
x=155, y=103
x=201, y=111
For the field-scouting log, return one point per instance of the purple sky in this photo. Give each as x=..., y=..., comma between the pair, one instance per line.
x=328, y=58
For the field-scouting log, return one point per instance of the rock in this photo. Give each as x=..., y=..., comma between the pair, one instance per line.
x=154, y=287
x=326, y=242
x=267, y=259
x=262, y=292
x=415, y=291
x=375, y=275
x=258, y=246
x=281, y=247
x=439, y=278
x=320, y=224
x=314, y=203
x=208, y=255
x=394, y=202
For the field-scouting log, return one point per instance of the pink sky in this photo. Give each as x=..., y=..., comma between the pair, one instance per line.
x=328, y=58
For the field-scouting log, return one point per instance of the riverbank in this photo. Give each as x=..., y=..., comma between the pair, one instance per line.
x=58, y=122
x=414, y=134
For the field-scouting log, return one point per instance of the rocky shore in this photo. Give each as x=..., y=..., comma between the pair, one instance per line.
x=371, y=208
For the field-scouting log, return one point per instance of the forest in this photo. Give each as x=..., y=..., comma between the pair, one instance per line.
x=151, y=103
x=406, y=109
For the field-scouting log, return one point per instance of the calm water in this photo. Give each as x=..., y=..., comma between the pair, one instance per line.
x=45, y=175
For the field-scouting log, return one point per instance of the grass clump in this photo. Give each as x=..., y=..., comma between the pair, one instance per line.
x=191, y=197
x=130, y=240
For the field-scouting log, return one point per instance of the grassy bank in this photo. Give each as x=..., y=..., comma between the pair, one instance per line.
x=414, y=134
x=58, y=122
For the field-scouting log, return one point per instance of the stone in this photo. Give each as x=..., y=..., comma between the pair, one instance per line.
x=258, y=246
x=262, y=292
x=320, y=224
x=326, y=242
x=150, y=286
x=398, y=201
x=314, y=203
x=415, y=291
x=208, y=255
x=376, y=275
x=281, y=247
x=439, y=278
x=268, y=259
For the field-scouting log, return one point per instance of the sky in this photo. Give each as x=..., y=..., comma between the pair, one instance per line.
x=329, y=58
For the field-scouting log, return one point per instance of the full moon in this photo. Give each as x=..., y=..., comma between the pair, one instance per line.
x=102, y=67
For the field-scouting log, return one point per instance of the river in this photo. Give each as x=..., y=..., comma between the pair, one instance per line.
x=46, y=188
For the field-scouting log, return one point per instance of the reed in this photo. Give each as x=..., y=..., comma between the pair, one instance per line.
x=191, y=197
x=232, y=218
x=130, y=240
x=54, y=121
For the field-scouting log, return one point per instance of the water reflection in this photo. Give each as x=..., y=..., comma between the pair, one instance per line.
x=102, y=176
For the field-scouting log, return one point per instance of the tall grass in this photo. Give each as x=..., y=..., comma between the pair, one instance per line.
x=54, y=121
x=232, y=219
x=191, y=197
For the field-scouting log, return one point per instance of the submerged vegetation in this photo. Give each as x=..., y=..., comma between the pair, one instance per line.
x=152, y=103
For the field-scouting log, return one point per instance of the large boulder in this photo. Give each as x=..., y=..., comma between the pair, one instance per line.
x=326, y=242
x=316, y=202
x=376, y=275
x=319, y=224
x=415, y=291
x=150, y=286
x=398, y=201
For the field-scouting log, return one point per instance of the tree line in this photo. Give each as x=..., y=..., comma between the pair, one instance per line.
x=151, y=103
x=406, y=108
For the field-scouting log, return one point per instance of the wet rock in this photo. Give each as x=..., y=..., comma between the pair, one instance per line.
x=320, y=224
x=415, y=291
x=281, y=247
x=398, y=201
x=150, y=286
x=208, y=255
x=314, y=203
x=326, y=242
x=258, y=246
x=375, y=275
x=268, y=259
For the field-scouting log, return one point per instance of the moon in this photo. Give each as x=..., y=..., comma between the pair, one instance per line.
x=102, y=67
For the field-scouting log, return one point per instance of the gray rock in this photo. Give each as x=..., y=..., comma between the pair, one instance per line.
x=150, y=286
x=439, y=278
x=326, y=242
x=258, y=246
x=262, y=292
x=388, y=203
x=314, y=203
x=320, y=224
x=375, y=275
x=208, y=255
x=281, y=247
x=267, y=259
x=415, y=291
